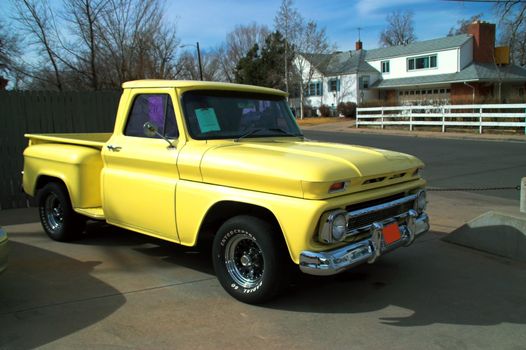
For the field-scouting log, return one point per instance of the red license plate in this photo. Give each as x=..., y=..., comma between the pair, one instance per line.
x=391, y=233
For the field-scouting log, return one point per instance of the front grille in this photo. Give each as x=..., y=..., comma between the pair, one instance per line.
x=374, y=202
x=378, y=216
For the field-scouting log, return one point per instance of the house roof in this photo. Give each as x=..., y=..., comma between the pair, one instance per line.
x=349, y=62
x=346, y=62
x=474, y=72
x=418, y=47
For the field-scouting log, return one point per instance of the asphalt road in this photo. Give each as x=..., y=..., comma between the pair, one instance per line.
x=451, y=163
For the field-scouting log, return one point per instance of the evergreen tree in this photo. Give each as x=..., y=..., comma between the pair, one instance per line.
x=264, y=67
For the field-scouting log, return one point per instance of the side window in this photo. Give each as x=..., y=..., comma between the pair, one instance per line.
x=157, y=109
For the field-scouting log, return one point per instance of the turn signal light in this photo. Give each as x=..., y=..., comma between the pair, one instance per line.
x=337, y=186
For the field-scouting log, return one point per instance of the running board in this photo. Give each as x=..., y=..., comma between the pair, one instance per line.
x=94, y=213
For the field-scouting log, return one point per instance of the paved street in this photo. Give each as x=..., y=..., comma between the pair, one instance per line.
x=451, y=162
x=119, y=289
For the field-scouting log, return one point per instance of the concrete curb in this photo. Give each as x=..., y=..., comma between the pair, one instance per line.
x=495, y=233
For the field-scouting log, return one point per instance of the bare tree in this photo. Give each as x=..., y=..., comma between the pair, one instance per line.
x=9, y=49
x=512, y=23
x=303, y=41
x=288, y=21
x=98, y=43
x=83, y=17
x=313, y=43
x=399, y=31
x=38, y=23
x=238, y=42
x=463, y=24
x=210, y=62
x=135, y=41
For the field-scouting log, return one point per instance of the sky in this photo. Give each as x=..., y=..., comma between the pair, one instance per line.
x=208, y=21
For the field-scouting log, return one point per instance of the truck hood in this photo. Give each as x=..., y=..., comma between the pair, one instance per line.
x=305, y=168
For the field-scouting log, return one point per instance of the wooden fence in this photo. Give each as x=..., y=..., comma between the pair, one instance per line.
x=475, y=116
x=45, y=112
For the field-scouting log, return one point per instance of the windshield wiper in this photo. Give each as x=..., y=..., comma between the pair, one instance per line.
x=254, y=131
x=249, y=133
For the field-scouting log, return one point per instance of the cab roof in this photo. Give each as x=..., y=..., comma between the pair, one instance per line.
x=197, y=84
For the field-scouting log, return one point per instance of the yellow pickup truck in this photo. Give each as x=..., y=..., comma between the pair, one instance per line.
x=189, y=158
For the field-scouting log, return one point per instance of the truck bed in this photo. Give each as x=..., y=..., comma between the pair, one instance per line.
x=96, y=140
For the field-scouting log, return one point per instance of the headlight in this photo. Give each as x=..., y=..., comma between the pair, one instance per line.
x=339, y=226
x=420, y=201
x=333, y=226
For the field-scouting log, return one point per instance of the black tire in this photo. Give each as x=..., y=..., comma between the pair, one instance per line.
x=59, y=220
x=248, y=259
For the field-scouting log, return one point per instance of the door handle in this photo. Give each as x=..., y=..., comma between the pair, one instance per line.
x=114, y=148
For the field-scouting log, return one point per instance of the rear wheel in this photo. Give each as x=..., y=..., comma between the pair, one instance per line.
x=59, y=220
x=247, y=257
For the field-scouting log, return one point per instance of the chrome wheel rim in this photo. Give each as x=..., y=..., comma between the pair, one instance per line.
x=244, y=260
x=54, y=211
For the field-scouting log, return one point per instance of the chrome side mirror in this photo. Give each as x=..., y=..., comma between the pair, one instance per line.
x=150, y=129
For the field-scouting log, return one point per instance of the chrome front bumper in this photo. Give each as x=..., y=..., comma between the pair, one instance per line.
x=368, y=250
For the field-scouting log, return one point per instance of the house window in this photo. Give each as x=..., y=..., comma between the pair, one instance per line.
x=423, y=62
x=364, y=82
x=385, y=67
x=334, y=85
x=315, y=88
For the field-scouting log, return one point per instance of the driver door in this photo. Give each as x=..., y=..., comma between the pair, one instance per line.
x=140, y=173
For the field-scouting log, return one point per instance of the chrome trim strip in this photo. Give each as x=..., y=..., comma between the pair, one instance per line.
x=379, y=207
x=368, y=250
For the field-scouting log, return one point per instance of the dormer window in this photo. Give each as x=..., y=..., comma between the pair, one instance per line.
x=422, y=62
x=385, y=67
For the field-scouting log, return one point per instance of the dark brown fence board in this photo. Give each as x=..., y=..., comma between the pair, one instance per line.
x=45, y=112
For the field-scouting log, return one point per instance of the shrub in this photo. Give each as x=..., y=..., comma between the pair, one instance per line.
x=325, y=111
x=347, y=109
x=307, y=112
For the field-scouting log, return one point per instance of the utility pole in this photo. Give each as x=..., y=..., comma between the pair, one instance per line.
x=199, y=59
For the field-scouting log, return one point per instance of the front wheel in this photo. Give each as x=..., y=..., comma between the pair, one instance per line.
x=59, y=220
x=247, y=258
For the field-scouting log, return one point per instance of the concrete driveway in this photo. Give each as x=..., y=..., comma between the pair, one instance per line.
x=118, y=289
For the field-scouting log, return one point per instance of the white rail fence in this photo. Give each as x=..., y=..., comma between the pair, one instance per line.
x=477, y=116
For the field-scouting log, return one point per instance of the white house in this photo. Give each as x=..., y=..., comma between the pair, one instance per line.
x=461, y=68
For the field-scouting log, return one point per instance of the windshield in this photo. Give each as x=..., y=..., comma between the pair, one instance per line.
x=234, y=114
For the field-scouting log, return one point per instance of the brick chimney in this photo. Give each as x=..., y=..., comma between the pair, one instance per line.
x=483, y=41
x=359, y=45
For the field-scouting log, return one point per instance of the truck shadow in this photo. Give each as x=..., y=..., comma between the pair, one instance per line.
x=196, y=258
x=432, y=281
x=45, y=296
